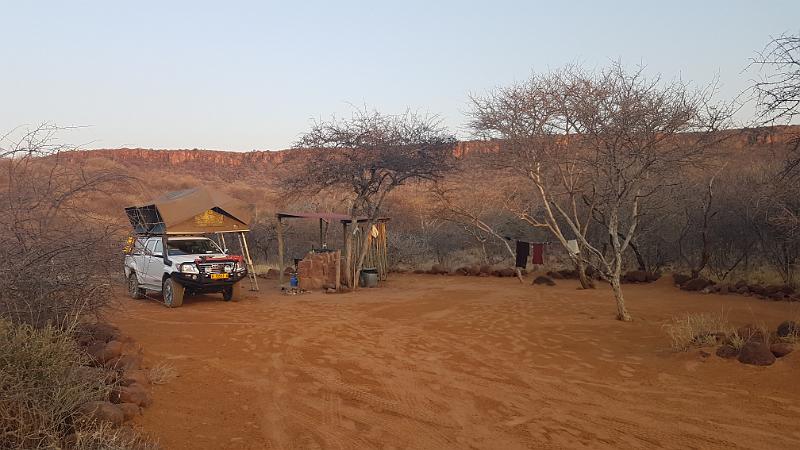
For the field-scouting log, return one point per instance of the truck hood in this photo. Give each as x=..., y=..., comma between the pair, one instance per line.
x=180, y=259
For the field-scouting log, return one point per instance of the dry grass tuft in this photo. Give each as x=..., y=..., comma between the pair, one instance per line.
x=162, y=373
x=696, y=330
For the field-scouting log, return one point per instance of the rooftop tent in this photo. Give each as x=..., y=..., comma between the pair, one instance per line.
x=190, y=211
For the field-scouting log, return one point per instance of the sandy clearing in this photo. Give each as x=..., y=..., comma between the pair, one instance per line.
x=457, y=362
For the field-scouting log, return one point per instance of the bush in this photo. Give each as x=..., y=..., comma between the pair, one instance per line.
x=697, y=330
x=43, y=383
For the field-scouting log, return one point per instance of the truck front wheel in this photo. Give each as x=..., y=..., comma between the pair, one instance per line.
x=231, y=293
x=133, y=287
x=172, y=292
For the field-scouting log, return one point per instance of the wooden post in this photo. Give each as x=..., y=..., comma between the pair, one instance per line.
x=279, y=229
x=338, y=270
x=320, y=233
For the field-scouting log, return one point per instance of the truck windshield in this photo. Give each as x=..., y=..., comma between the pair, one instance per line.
x=192, y=247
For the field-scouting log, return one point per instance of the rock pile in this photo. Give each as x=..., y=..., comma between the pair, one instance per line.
x=766, y=292
x=751, y=345
x=119, y=358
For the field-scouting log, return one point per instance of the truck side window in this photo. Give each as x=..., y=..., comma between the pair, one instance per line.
x=150, y=246
x=159, y=249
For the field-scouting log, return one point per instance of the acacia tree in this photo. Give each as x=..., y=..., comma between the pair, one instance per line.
x=371, y=154
x=596, y=146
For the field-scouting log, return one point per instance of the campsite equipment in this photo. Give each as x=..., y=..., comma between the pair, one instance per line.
x=369, y=277
x=195, y=211
x=354, y=233
x=293, y=282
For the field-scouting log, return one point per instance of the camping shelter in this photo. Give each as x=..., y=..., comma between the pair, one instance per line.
x=194, y=211
x=377, y=255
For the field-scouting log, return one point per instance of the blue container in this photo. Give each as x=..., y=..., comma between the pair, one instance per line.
x=293, y=280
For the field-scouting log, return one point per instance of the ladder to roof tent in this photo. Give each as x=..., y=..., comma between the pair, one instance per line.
x=251, y=269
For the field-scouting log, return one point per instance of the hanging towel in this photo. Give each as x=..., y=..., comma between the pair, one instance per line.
x=572, y=247
x=523, y=249
x=538, y=254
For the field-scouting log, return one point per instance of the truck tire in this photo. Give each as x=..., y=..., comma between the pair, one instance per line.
x=172, y=291
x=134, y=290
x=231, y=293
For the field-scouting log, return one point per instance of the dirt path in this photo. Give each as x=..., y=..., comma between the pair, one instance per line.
x=458, y=362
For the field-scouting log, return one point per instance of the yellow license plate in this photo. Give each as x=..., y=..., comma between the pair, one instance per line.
x=219, y=276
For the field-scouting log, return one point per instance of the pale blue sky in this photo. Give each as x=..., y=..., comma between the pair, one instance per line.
x=251, y=75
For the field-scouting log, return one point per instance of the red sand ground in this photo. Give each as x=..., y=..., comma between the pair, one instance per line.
x=458, y=362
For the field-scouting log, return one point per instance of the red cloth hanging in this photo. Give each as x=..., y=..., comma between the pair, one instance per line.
x=537, y=254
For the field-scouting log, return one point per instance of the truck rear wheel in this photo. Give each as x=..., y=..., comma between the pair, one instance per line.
x=231, y=293
x=133, y=287
x=172, y=292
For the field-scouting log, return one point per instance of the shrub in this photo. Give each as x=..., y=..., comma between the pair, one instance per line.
x=43, y=383
x=696, y=330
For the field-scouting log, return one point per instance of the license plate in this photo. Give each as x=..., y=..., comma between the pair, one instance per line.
x=219, y=276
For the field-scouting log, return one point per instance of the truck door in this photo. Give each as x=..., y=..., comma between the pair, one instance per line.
x=155, y=264
x=147, y=263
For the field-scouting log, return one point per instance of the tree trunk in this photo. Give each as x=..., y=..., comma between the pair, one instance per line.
x=622, y=312
x=586, y=282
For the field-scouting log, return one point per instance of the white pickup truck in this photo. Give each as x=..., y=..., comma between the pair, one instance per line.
x=191, y=265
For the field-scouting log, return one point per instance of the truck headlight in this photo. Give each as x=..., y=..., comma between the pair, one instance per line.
x=189, y=268
x=227, y=268
x=239, y=266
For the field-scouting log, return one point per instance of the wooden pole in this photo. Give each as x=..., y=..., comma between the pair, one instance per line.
x=320, y=233
x=279, y=229
x=338, y=270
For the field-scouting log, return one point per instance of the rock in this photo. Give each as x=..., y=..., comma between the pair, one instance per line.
x=507, y=272
x=757, y=354
x=743, y=290
x=485, y=269
x=680, y=278
x=483, y=274
x=636, y=276
x=781, y=349
x=696, y=284
x=740, y=284
x=437, y=269
x=651, y=276
x=703, y=354
x=727, y=352
x=555, y=275
x=541, y=279
x=134, y=393
x=788, y=328
x=102, y=352
x=129, y=410
x=777, y=295
x=475, y=271
x=724, y=288
x=134, y=376
x=125, y=362
x=463, y=270
x=756, y=289
x=103, y=412
x=330, y=291
x=102, y=332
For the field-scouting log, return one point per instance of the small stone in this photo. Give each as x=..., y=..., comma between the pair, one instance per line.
x=757, y=354
x=781, y=349
x=541, y=279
